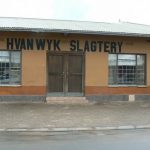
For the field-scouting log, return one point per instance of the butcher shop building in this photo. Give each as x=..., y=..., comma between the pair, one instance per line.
x=42, y=58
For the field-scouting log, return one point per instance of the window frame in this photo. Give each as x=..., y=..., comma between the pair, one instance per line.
x=20, y=78
x=130, y=85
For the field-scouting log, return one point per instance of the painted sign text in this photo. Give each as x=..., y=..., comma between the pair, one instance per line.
x=56, y=45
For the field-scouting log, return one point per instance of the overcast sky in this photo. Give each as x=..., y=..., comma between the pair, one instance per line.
x=137, y=11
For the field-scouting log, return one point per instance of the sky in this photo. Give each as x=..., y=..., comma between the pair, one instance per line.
x=136, y=11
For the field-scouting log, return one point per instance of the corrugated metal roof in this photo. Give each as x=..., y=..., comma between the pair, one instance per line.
x=67, y=26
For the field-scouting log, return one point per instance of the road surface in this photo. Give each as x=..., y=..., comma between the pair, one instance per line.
x=104, y=140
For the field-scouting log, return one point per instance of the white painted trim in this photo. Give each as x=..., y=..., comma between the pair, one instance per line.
x=9, y=85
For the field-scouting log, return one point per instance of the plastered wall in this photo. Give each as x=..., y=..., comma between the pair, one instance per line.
x=34, y=64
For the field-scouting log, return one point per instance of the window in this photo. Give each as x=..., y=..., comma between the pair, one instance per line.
x=10, y=68
x=126, y=69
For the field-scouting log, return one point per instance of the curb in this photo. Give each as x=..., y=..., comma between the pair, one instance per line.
x=129, y=127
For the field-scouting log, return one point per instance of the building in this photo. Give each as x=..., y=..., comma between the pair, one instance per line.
x=40, y=58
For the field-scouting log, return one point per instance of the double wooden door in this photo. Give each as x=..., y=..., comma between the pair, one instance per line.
x=65, y=74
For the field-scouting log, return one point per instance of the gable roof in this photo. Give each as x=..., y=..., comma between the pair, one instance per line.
x=78, y=27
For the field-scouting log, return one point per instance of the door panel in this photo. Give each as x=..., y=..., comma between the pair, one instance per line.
x=74, y=84
x=56, y=74
x=75, y=72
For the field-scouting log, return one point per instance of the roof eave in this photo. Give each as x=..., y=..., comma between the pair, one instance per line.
x=66, y=31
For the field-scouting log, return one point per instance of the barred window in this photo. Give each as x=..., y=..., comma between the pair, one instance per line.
x=10, y=68
x=127, y=69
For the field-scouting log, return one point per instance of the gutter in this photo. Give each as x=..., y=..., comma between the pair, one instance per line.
x=66, y=31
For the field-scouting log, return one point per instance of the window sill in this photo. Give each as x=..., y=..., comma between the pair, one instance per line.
x=128, y=86
x=9, y=85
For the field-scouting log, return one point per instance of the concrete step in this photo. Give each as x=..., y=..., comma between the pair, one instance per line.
x=66, y=100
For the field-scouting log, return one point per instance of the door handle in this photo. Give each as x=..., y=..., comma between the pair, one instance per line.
x=67, y=73
x=63, y=74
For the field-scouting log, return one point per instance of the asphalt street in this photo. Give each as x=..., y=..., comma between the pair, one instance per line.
x=104, y=140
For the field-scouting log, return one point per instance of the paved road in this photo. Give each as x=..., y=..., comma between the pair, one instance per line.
x=108, y=140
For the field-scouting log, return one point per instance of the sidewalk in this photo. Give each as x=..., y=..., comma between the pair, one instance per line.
x=46, y=117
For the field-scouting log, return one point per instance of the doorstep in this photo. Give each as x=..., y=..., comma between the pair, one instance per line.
x=66, y=100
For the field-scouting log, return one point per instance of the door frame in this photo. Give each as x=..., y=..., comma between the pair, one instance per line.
x=83, y=71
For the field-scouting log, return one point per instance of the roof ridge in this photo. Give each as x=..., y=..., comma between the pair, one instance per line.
x=68, y=20
x=56, y=20
x=134, y=23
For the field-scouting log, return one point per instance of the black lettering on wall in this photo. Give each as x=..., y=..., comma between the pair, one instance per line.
x=106, y=46
x=113, y=48
x=93, y=46
x=100, y=43
x=30, y=44
x=120, y=46
x=57, y=45
x=23, y=44
x=17, y=43
x=10, y=43
x=78, y=46
x=49, y=42
x=73, y=45
x=40, y=44
x=86, y=46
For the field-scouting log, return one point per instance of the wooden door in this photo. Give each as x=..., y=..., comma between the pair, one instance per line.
x=55, y=73
x=65, y=74
x=75, y=73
